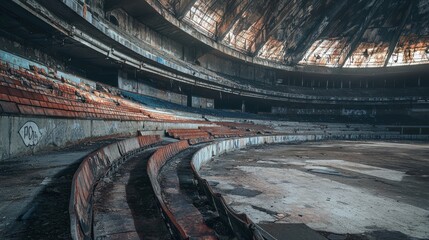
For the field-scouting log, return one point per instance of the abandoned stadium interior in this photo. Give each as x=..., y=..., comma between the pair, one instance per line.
x=214, y=119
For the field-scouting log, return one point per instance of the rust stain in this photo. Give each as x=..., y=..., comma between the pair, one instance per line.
x=273, y=50
x=167, y=4
x=205, y=16
x=243, y=33
x=326, y=52
x=410, y=50
x=368, y=55
x=333, y=46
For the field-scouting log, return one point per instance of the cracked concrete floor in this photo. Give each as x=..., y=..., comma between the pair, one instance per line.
x=375, y=190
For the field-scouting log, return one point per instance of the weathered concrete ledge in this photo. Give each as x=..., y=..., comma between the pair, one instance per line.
x=95, y=166
x=27, y=135
x=154, y=165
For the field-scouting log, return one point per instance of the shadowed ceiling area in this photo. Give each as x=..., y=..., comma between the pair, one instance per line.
x=337, y=34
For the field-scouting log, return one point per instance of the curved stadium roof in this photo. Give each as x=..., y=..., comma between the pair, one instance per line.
x=329, y=33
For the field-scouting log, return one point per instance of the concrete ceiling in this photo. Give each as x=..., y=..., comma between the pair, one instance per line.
x=338, y=34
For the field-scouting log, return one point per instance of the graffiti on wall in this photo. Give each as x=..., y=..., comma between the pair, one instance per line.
x=30, y=134
x=353, y=112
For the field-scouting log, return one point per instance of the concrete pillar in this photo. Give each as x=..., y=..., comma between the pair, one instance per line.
x=243, y=106
x=189, y=104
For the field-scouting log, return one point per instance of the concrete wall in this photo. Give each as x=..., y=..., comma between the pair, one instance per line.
x=200, y=102
x=222, y=65
x=212, y=62
x=371, y=111
x=141, y=32
x=350, y=111
x=205, y=154
x=236, y=69
x=135, y=86
x=59, y=132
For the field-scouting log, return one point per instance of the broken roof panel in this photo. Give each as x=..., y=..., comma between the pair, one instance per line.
x=273, y=50
x=373, y=48
x=413, y=45
x=348, y=33
x=243, y=33
x=205, y=16
x=331, y=48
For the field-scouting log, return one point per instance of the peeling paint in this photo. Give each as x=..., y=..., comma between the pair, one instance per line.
x=205, y=16
x=273, y=49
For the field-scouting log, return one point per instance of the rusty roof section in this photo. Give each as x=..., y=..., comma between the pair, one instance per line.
x=348, y=33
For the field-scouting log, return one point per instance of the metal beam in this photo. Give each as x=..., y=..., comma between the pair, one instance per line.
x=395, y=38
x=232, y=14
x=182, y=7
x=276, y=21
x=282, y=15
x=358, y=36
x=316, y=31
x=269, y=29
x=114, y=4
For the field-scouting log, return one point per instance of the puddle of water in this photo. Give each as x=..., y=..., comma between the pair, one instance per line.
x=323, y=170
x=46, y=181
x=240, y=191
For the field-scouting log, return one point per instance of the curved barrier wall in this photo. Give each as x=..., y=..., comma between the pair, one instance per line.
x=240, y=224
x=154, y=165
x=95, y=166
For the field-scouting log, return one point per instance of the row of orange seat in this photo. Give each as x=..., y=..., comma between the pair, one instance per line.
x=207, y=133
x=250, y=127
x=24, y=92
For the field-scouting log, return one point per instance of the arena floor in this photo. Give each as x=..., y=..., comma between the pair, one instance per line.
x=367, y=190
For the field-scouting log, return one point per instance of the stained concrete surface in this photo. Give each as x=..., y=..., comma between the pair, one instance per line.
x=357, y=190
x=125, y=204
x=179, y=199
x=35, y=192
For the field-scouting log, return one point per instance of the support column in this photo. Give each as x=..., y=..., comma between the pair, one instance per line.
x=189, y=104
x=243, y=106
